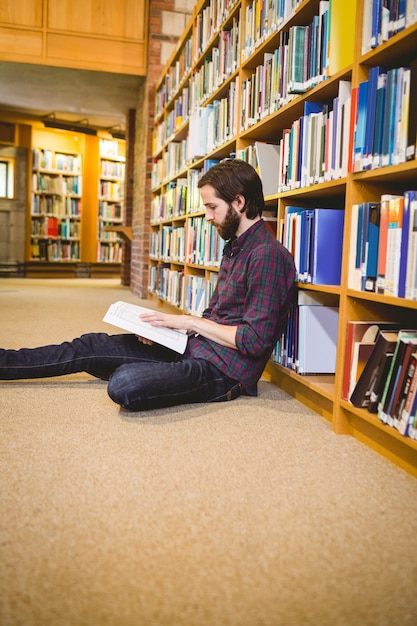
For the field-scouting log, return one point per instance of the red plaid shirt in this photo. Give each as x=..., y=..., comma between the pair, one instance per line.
x=253, y=292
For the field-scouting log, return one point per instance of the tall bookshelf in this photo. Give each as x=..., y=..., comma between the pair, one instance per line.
x=76, y=205
x=55, y=229
x=110, y=201
x=211, y=104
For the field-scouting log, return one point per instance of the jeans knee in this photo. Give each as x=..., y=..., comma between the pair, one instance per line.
x=119, y=390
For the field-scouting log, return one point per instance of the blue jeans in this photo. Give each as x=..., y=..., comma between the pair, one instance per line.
x=140, y=376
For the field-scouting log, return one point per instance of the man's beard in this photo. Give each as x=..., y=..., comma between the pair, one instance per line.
x=227, y=230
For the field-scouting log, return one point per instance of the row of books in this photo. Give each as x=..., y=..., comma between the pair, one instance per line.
x=61, y=184
x=60, y=206
x=309, y=342
x=384, y=117
x=112, y=169
x=111, y=190
x=386, y=382
x=217, y=66
x=315, y=239
x=198, y=244
x=383, y=246
x=51, y=161
x=382, y=19
x=291, y=69
x=47, y=250
x=109, y=210
x=208, y=24
x=191, y=293
x=204, y=246
x=315, y=148
x=213, y=125
x=168, y=244
x=52, y=227
x=174, y=77
x=109, y=251
x=262, y=18
x=172, y=203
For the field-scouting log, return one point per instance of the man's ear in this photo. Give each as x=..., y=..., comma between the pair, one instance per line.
x=240, y=203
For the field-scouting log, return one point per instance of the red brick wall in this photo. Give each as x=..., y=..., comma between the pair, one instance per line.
x=141, y=134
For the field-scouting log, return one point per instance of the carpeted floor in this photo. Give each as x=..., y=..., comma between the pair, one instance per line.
x=248, y=513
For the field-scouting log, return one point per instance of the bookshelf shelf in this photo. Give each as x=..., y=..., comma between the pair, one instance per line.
x=342, y=186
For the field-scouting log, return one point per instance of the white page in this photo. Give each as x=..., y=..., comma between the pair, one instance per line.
x=126, y=316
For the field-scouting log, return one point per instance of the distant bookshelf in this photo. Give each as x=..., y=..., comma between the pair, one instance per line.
x=110, y=202
x=55, y=216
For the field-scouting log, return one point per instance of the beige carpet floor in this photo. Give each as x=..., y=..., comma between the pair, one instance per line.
x=248, y=513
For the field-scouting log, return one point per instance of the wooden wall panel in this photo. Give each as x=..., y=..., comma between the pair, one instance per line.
x=21, y=42
x=21, y=12
x=92, y=53
x=102, y=35
x=109, y=18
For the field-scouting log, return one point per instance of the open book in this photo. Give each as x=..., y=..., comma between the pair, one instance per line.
x=126, y=316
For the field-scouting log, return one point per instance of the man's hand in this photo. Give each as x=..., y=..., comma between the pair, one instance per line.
x=164, y=320
x=225, y=335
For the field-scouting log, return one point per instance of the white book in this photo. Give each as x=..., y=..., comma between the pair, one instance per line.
x=126, y=316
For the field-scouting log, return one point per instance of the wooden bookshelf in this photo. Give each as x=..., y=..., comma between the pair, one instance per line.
x=195, y=68
x=110, y=201
x=89, y=230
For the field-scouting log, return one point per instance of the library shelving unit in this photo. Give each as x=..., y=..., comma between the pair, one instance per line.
x=211, y=103
x=110, y=203
x=75, y=219
x=55, y=232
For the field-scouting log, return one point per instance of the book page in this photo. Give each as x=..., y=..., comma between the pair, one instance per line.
x=126, y=316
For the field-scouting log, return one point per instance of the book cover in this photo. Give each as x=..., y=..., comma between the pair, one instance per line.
x=360, y=131
x=327, y=246
x=411, y=278
x=379, y=120
x=405, y=242
x=369, y=381
x=356, y=331
x=384, y=405
x=404, y=388
x=395, y=220
x=317, y=339
x=268, y=156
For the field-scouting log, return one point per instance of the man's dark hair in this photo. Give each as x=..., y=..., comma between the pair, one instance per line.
x=234, y=177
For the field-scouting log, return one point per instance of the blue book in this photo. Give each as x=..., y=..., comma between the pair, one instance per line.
x=371, y=218
x=376, y=23
x=360, y=131
x=389, y=113
x=409, y=197
x=373, y=76
x=379, y=119
x=327, y=241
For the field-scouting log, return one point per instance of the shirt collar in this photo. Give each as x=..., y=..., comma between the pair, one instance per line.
x=233, y=246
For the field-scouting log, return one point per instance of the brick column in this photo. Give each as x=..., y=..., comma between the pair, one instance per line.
x=167, y=21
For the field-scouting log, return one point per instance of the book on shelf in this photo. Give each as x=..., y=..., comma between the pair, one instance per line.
x=357, y=332
x=317, y=340
x=267, y=161
x=385, y=405
x=126, y=316
x=368, y=389
x=314, y=238
x=327, y=240
x=407, y=420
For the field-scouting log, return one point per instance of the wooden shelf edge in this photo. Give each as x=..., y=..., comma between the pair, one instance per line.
x=307, y=389
x=385, y=440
